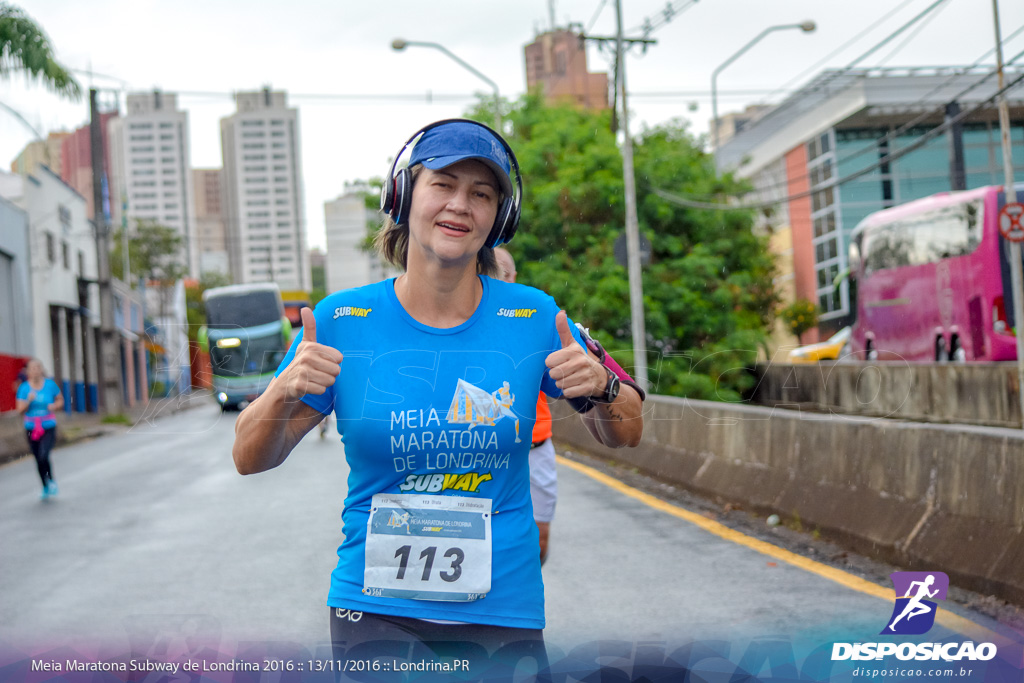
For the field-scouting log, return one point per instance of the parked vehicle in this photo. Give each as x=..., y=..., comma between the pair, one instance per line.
x=835, y=347
x=246, y=335
x=932, y=280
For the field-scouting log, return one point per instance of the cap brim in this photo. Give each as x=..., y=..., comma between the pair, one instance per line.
x=437, y=163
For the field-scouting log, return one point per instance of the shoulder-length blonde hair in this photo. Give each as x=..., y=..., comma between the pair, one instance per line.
x=392, y=241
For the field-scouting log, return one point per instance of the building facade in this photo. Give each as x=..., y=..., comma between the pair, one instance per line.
x=151, y=172
x=41, y=152
x=263, y=194
x=854, y=142
x=16, y=342
x=211, y=235
x=346, y=219
x=76, y=159
x=64, y=301
x=556, y=64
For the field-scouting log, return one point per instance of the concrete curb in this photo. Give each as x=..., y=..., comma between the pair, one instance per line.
x=928, y=497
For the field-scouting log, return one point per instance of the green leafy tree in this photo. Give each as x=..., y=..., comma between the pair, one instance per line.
x=24, y=48
x=154, y=252
x=708, y=294
x=800, y=316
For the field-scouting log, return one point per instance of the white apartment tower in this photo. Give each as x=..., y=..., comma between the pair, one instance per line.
x=151, y=174
x=262, y=184
x=346, y=219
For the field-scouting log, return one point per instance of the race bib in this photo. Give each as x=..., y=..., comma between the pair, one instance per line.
x=424, y=547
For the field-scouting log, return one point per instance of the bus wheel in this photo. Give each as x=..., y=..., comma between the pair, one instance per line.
x=941, y=354
x=957, y=353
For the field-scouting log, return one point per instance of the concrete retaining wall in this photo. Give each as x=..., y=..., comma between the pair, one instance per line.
x=927, y=497
x=971, y=393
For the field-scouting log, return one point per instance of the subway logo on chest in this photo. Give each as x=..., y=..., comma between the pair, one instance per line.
x=516, y=312
x=343, y=311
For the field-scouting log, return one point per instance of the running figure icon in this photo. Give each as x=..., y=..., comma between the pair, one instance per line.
x=914, y=607
x=504, y=398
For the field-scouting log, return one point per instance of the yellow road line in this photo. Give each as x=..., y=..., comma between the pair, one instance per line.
x=946, y=618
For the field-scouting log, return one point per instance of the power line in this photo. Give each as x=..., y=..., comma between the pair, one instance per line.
x=889, y=158
x=913, y=34
x=597, y=13
x=814, y=67
x=874, y=145
x=831, y=76
x=671, y=11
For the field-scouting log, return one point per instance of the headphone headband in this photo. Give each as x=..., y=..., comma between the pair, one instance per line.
x=396, y=194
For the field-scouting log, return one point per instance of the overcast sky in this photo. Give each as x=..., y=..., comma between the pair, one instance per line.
x=206, y=49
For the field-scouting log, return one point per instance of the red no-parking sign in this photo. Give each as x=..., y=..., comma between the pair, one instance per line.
x=1011, y=222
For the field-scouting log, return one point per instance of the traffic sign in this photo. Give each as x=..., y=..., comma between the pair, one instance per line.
x=619, y=249
x=1011, y=222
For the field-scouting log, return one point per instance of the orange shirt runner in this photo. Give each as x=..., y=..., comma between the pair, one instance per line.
x=542, y=428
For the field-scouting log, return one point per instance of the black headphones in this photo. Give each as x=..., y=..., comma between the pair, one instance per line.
x=396, y=194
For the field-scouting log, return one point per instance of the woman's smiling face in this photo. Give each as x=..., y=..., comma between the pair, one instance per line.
x=453, y=211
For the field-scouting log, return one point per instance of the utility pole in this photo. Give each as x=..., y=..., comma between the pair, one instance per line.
x=1016, y=275
x=636, y=287
x=110, y=371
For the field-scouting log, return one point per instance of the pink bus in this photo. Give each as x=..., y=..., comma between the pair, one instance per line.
x=932, y=280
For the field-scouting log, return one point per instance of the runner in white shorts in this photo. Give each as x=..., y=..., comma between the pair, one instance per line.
x=543, y=474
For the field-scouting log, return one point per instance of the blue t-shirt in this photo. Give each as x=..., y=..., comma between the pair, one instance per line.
x=449, y=412
x=38, y=406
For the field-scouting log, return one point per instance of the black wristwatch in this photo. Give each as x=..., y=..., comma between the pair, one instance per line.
x=611, y=389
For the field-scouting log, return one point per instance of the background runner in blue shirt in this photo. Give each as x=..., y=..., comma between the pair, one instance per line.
x=38, y=398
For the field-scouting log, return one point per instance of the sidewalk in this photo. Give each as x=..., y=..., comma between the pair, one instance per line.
x=81, y=426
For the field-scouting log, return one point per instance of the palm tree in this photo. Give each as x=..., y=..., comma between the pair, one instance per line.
x=25, y=47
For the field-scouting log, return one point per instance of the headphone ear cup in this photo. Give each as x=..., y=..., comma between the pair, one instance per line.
x=387, y=195
x=510, y=231
x=402, y=200
x=505, y=222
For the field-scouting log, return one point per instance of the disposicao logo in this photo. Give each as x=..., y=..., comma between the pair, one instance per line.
x=917, y=594
x=914, y=613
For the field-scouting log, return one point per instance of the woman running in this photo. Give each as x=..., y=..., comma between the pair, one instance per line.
x=38, y=398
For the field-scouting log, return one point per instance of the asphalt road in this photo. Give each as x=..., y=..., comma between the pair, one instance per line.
x=155, y=540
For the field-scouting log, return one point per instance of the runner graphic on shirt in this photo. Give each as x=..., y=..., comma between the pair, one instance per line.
x=474, y=406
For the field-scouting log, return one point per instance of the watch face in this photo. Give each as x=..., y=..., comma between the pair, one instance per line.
x=613, y=388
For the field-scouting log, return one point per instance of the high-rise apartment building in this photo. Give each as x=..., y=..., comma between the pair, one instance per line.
x=150, y=175
x=346, y=219
x=211, y=236
x=40, y=152
x=76, y=159
x=262, y=183
x=556, y=62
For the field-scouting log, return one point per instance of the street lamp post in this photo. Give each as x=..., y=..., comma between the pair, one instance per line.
x=805, y=26
x=399, y=44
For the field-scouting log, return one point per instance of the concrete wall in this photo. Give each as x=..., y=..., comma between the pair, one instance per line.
x=926, y=497
x=964, y=393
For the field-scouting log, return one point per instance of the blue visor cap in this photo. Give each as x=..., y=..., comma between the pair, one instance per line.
x=451, y=143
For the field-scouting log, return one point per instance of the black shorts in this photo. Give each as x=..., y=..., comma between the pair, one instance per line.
x=379, y=647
